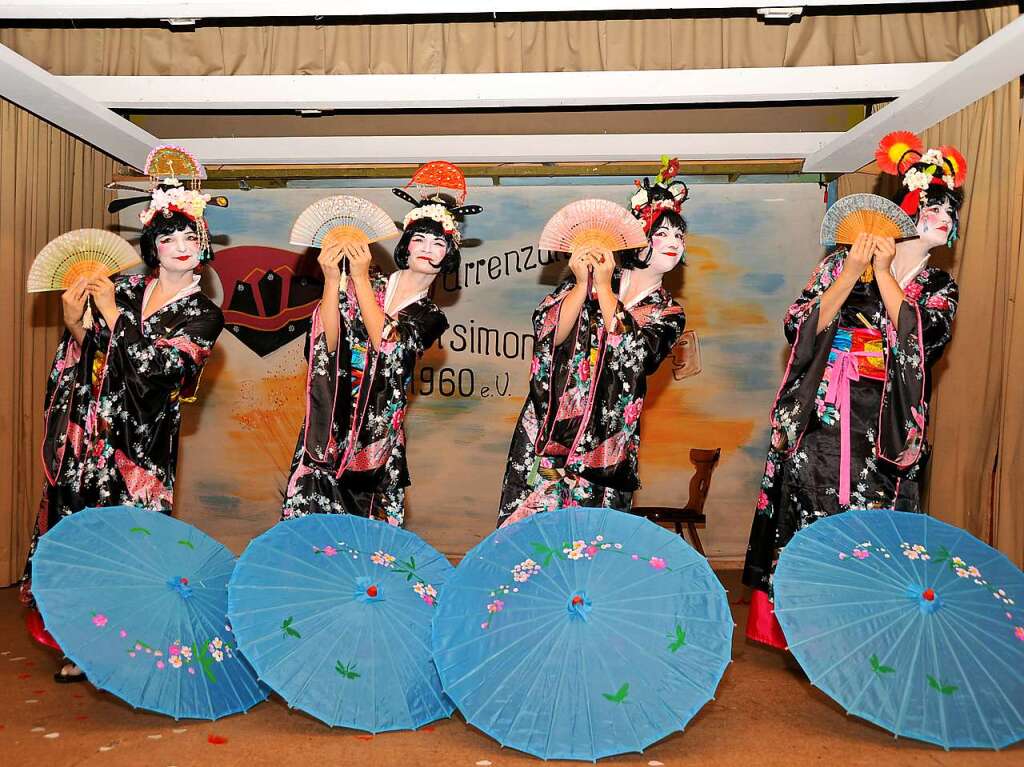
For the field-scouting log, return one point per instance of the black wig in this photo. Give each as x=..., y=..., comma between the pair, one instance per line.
x=640, y=258
x=161, y=225
x=452, y=256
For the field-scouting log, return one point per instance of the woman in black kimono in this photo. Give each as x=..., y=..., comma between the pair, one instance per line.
x=362, y=351
x=113, y=398
x=849, y=422
x=578, y=435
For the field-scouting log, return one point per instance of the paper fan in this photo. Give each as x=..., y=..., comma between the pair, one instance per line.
x=868, y=214
x=356, y=219
x=174, y=162
x=439, y=176
x=80, y=253
x=592, y=223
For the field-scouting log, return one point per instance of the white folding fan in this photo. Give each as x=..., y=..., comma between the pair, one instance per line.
x=79, y=253
x=355, y=220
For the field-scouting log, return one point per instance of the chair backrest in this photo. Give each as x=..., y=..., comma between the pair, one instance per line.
x=704, y=461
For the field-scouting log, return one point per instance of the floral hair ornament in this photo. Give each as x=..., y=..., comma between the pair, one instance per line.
x=902, y=154
x=441, y=188
x=668, y=192
x=176, y=175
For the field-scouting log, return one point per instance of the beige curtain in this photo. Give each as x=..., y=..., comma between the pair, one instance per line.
x=1008, y=507
x=505, y=46
x=49, y=183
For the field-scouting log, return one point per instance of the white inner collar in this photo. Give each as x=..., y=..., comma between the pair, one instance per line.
x=392, y=288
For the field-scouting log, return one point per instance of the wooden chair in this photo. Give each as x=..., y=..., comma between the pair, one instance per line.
x=692, y=514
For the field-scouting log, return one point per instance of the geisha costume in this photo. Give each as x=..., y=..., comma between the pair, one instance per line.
x=578, y=435
x=112, y=410
x=351, y=452
x=849, y=421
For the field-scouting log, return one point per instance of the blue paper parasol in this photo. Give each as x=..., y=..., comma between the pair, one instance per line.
x=138, y=600
x=334, y=613
x=582, y=633
x=910, y=623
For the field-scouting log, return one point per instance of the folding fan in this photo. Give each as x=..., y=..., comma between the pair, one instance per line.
x=592, y=223
x=352, y=219
x=79, y=253
x=865, y=214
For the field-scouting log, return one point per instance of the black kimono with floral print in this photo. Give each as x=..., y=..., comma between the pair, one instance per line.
x=350, y=456
x=581, y=418
x=888, y=417
x=112, y=406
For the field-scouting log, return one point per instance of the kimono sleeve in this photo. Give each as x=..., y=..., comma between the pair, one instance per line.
x=654, y=333
x=156, y=367
x=913, y=346
x=413, y=332
x=808, y=356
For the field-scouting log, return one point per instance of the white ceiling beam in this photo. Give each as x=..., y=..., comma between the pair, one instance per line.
x=212, y=9
x=527, y=89
x=331, y=150
x=36, y=90
x=992, y=63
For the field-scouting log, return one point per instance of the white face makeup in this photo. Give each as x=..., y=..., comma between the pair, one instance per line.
x=667, y=245
x=426, y=252
x=178, y=251
x=934, y=224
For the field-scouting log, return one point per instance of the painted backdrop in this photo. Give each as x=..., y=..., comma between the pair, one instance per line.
x=750, y=250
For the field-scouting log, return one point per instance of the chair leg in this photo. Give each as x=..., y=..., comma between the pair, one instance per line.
x=696, y=538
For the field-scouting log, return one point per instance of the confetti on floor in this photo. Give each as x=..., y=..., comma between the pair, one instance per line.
x=179, y=730
x=483, y=763
x=32, y=700
x=38, y=729
x=216, y=740
x=106, y=748
x=154, y=737
x=655, y=763
x=24, y=676
x=20, y=657
x=52, y=735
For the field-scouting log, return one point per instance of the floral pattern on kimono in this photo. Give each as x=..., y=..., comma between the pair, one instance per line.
x=112, y=407
x=350, y=457
x=887, y=418
x=578, y=435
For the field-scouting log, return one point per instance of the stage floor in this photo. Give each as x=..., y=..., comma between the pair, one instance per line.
x=765, y=714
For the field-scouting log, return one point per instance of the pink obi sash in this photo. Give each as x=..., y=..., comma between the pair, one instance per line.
x=856, y=353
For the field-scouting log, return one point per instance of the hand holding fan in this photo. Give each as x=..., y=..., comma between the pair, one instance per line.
x=80, y=253
x=858, y=214
x=349, y=220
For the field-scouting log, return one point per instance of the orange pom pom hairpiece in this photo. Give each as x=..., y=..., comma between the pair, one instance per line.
x=958, y=161
x=892, y=153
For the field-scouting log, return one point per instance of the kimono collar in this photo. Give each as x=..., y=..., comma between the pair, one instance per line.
x=185, y=291
x=912, y=273
x=624, y=288
x=392, y=287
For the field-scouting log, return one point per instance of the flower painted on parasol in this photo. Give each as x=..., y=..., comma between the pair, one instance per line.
x=138, y=600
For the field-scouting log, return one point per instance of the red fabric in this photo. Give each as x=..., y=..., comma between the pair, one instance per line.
x=36, y=629
x=762, y=625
